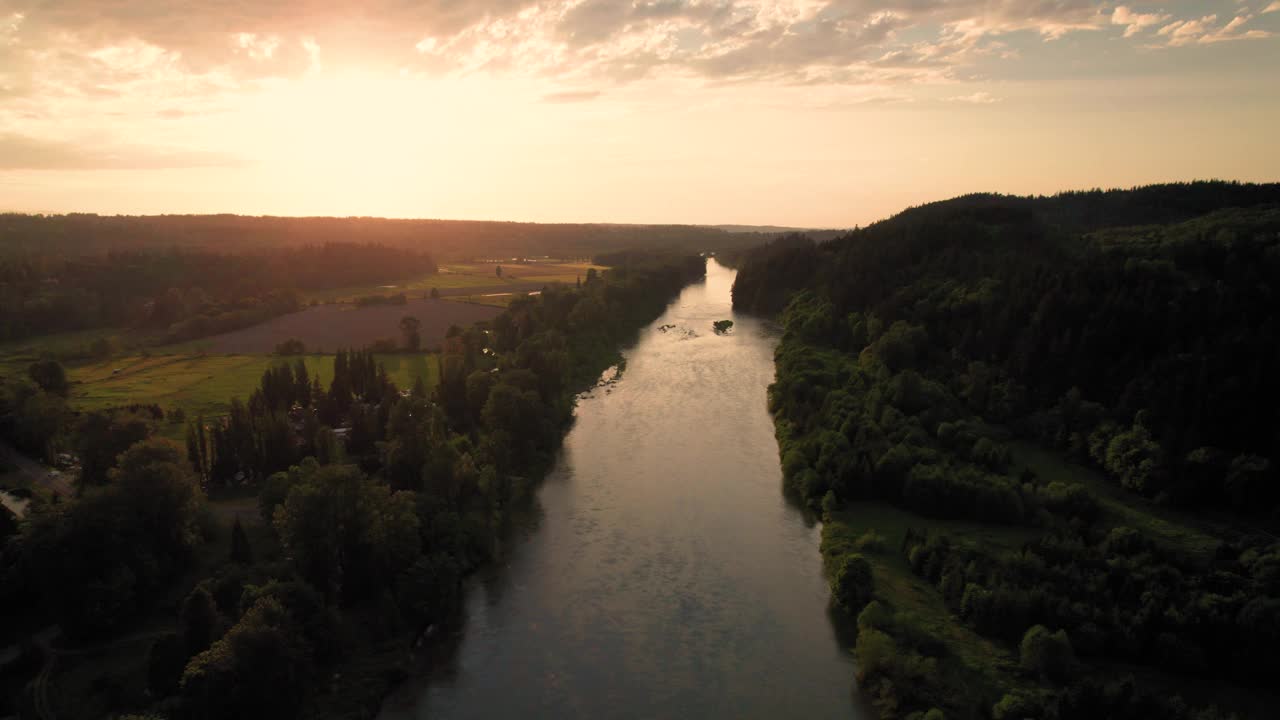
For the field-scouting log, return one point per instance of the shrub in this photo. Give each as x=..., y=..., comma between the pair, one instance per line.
x=1048, y=655
x=853, y=584
x=870, y=542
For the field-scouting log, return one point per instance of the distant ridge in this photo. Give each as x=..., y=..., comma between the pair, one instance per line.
x=772, y=229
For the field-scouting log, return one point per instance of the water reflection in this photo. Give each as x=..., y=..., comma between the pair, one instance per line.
x=661, y=572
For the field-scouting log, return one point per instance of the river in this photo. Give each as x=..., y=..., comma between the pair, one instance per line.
x=663, y=574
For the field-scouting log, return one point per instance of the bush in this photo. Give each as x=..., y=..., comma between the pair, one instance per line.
x=852, y=585
x=870, y=542
x=50, y=376
x=1018, y=705
x=1048, y=655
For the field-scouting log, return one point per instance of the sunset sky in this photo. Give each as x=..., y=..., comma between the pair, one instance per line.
x=797, y=112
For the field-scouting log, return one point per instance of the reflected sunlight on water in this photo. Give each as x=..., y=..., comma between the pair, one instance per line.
x=664, y=574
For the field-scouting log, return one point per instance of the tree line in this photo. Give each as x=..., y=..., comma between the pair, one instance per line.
x=181, y=294
x=85, y=233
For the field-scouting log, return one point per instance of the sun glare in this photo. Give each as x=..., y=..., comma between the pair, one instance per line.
x=381, y=145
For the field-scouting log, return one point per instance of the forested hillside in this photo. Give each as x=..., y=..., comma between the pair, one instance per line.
x=928, y=362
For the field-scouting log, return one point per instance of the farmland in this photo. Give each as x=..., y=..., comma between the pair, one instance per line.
x=325, y=328
x=200, y=377
x=181, y=376
x=460, y=279
x=205, y=383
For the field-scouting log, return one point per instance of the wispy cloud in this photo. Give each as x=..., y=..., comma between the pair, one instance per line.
x=1135, y=23
x=1206, y=30
x=976, y=98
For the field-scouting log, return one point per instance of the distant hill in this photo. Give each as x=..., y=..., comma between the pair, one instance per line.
x=772, y=231
x=765, y=229
x=444, y=239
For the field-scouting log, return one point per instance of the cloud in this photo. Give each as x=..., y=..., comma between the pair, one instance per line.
x=976, y=98
x=20, y=152
x=193, y=48
x=801, y=41
x=1273, y=7
x=1135, y=23
x=1205, y=30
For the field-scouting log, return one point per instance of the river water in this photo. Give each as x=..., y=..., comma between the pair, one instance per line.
x=663, y=575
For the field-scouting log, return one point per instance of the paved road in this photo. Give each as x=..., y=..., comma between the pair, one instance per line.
x=36, y=473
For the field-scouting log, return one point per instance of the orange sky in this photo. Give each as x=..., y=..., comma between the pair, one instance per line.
x=798, y=112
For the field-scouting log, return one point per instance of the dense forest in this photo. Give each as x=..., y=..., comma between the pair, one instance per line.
x=182, y=294
x=1131, y=332
x=444, y=239
x=377, y=500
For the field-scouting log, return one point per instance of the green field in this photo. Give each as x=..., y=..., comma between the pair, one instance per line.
x=204, y=384
x=177, y=376
x=463, y=275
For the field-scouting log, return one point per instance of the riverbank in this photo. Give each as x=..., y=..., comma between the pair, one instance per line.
x=365, y=679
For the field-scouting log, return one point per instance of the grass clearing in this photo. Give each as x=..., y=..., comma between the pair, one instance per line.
x=983, y=662
x=1197, y=537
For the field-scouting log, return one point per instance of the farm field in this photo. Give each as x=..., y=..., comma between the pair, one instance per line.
x=492, y=299
x=204, y=384
x=467, y=278
x=326, y=328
